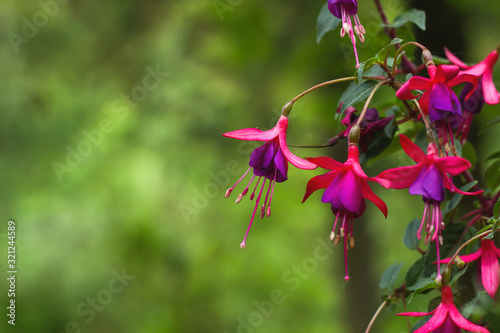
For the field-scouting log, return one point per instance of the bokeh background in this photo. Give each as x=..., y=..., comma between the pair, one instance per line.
x=113, y=164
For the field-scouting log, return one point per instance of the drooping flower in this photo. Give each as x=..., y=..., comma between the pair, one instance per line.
x=439, y=101
x=428, y=178
x=489, y=267
x=347, y=11
x=483, y=71
x=346, y=189
x=445, y=318
x=268, y=162
x=370, y=125
x=484, y=92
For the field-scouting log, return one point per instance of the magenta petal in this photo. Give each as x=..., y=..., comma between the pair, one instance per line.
x=294, y=160
x=454, y=60
x=453, y=165
x=412, y=149
x=414, y=314
x=368, y=194
x=401, y=177
x=325, y=162
x=319, y=182
x=445, y=73
x=253, y=134
x=415, y=82
x=490, y=269
x=436, y=320
x=490, y=92
x=462, y=322
x=344, y=193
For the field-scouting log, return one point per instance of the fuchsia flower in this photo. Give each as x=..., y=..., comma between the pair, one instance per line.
x=269, y=161
x=445, y=318
x=346, y=189
x=488, y=255
x=344, y=9
x=484, y=92
x=429, y=179
x=439, y=101
x=482, y=71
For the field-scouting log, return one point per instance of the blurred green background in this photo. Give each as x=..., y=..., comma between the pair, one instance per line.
x=113, y=164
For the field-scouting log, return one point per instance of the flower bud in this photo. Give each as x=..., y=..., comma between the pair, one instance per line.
x=354, y=134
x=286, y=109
x=459, y=262
x=427, y=58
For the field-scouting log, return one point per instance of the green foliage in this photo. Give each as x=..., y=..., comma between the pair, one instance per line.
x=413, y=15
x=326, y=22
x=410, y=239
x=389, y=277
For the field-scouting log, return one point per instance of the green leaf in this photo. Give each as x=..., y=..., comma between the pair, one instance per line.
x=469, y=153
x=420, y=286
x=385, y=50
x=410, y=239
x=365, y=66
x=389, y=277
x=414, y=271
x=492, y=175
x=493, y=230
x=457, y=274
x=355, y=93
x=455, y=200
x=326, y=22
x=496, y=210
x=469, y=306
x=471, y=244
x=493, y=122
x=413, y=15
x=494, y=156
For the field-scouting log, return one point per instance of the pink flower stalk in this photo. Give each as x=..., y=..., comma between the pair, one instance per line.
x=269, y=161
x=347, y=10
x=439, y=101
x=445, y=318
x=484, y=92
x=429, y=179
x=489, y=269
x=346, y=189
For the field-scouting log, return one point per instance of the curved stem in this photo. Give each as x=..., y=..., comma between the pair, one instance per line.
x=375, y=316
x=365, y=107
x=398, y=52
x=350, y=78
x=452, y=259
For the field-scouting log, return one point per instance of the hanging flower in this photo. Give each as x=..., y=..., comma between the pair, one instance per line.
x=439, y=101
x=483, y=71
x=347, y=10
x=346, y=189
x=484, y=92
x=489, y=269
x=429, y=179
x=269, y=162
x=445, y=318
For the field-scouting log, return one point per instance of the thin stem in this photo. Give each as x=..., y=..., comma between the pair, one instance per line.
x=376, y=315
x=363, y=112
x=424, y=117
x=452, y=259
x=350, y=78
x=398, y=52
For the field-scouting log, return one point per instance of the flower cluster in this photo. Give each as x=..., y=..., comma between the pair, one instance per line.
x=442, y=116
